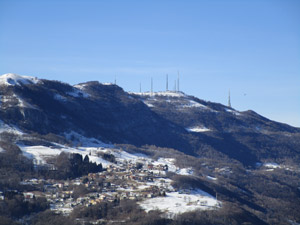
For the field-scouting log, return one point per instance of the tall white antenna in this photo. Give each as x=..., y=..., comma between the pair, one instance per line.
x=167, y=81
x=151, y=86
x=115, y=80
x=175, y=86
x=178, y=82
x=229, y=101
x=140, y=87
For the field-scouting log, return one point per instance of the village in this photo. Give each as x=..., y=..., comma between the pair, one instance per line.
x=125, y=180
x=124, y=176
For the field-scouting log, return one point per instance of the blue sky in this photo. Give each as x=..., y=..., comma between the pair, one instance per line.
x=250, y=47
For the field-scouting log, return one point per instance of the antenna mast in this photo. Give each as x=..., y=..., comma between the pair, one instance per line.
x=140, y=87
x=167, y=81
x=178, y=81
x=229, y=102
x=115, y=80
x=175, y=86
x=151, y=86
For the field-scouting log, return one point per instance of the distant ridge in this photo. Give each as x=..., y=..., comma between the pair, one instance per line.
x=165, y=119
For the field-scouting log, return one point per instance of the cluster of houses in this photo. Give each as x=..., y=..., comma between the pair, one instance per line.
x=128, y=180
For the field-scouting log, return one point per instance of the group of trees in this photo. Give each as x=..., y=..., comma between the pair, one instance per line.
x=69, y=166
x=15, y=206
x=107, y=157
x=13, y=166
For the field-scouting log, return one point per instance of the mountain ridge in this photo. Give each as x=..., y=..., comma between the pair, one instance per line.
x=165, y=119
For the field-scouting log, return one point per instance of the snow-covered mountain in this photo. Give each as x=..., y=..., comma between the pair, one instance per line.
x=167, y=151
x=166, y=119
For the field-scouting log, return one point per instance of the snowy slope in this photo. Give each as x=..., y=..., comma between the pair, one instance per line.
x=9, y=129
x=14, y=79
x=179, y=99
x=39, y=154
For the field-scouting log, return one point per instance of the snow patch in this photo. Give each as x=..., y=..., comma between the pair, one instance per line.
x=198, y=129
x=160, y=93
x=107, y=83
x=233, y=112
x=78, y=139
x=193, y=104
x=170, y=162
x=185, y=171
x=125, y=156
x=16, y=99
x=80, y=86
x=78, y=93
x=271, y=165
x=177, y=99
x=148, y=104
x=60, y=98
x=14, y=79
x=211, y=178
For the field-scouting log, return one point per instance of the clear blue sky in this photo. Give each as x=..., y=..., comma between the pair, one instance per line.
x=250, y=47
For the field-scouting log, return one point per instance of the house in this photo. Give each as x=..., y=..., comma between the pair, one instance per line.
x=28, y=195
x=150, y=166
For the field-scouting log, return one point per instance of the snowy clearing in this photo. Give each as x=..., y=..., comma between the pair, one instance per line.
x=176, y=203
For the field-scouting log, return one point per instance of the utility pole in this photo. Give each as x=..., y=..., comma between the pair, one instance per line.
x=167, y=81
x=178, y=81
x=229, y=101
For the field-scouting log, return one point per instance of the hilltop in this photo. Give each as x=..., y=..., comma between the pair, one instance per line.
x=234, y=166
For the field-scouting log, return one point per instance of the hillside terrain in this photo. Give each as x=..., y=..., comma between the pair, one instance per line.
x=93, y=153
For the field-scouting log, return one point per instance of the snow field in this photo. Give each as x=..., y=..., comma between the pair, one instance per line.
x=176, y=203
